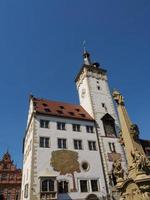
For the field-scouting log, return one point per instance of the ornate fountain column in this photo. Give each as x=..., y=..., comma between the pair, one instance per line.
x=136, y=185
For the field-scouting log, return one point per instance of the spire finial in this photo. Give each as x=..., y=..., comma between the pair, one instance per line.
x=84, y=44
x=86, y=55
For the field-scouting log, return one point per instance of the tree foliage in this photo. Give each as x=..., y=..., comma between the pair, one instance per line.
x=65, y=161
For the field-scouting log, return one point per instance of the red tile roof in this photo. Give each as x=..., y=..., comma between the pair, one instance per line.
x=60, y=109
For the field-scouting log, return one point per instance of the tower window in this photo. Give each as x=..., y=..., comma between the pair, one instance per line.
x=103, y=105
x=112, y=147
x=109, y=126
x=98, y=87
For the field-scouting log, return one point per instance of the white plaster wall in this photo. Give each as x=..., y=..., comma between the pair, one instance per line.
x=86, y=101
x=27, y=160
x=30, y=111
x=92, y=157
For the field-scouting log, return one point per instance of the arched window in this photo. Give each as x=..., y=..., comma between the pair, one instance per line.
x=47, y=185
x=109, y=126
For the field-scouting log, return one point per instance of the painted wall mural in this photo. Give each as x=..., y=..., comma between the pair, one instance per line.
x=66, y=162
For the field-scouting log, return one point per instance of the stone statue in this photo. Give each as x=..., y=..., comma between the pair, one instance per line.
x=139, y=160
x=118, y=98
x=134, y=130
x=118, y=170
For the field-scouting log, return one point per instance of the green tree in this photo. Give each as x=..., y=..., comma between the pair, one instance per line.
x=66, y=162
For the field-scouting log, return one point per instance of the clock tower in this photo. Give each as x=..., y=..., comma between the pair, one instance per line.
x=95, y=97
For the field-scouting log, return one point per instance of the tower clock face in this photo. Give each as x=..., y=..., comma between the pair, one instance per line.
x=83, y=92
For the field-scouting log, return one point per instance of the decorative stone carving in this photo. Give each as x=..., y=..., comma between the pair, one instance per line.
x=118, y=170
x=121, y=141
x=140, y=161
x=118, y=98
x=134, y=130
x=136, y=186
x=145, y=193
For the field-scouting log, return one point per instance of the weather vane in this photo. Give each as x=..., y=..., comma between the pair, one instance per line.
x=84, y=44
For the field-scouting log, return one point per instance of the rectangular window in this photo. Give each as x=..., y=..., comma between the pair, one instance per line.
x=44, y=123
x=4, y=176
x=92, y=145
x=44, y=142
x=94, y=185
x=61, y=126
x=77, y=144
x=83, y=185
x=76, y=127
x=104, y=106
x=98, y=87
x=62, y=144
x=26, y=191
x=47, y=185
x=63, y=187
x=89, y=129
x=112, y=147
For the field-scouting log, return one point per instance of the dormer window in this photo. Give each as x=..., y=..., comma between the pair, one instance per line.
x=47, y=110
x=59, y=111
x=71, y=113
x=45, y=105
x=62, y=107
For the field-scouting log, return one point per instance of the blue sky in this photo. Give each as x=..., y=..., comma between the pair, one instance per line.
x=41, y=53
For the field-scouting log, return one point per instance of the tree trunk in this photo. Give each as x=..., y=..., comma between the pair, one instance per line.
x=74, y=183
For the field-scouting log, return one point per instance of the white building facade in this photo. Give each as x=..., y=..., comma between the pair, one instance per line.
x=69, y=149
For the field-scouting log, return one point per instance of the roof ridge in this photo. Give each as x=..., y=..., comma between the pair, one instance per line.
x=45, y=99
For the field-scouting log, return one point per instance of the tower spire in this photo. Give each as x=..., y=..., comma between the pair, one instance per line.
x=86, y=55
